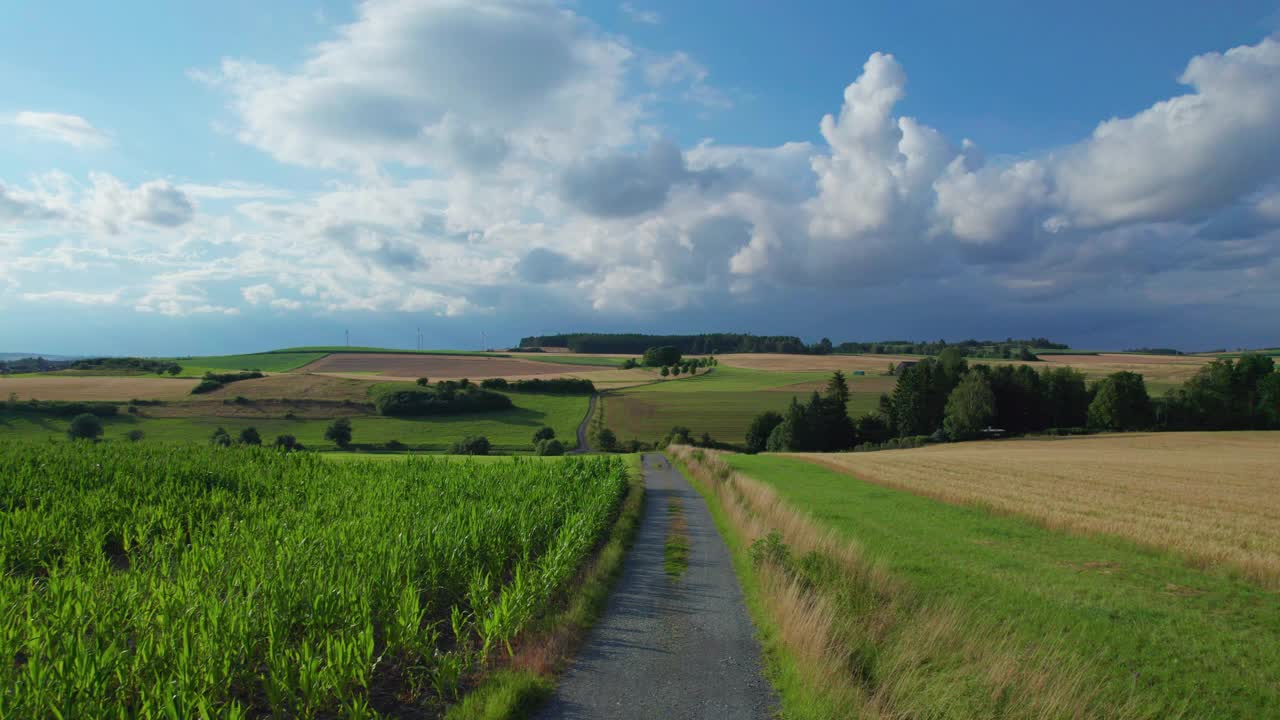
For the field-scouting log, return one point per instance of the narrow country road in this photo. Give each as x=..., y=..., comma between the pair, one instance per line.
x=669, y=648
x=582, y=428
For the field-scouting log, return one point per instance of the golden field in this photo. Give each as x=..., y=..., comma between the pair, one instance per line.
x=101, y=387
x=1212, y=497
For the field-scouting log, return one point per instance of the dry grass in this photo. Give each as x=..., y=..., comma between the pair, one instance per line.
x=437, y=367
x=101, y=387
x=296, y=386
x=1212, y=497
x=929, y=661
x=1160, y=369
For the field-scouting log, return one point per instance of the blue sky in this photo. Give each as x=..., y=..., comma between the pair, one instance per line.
x=179, y=178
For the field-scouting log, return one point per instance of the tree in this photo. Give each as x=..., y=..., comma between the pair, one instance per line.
x=339, y=432
x=173, y=369
x=220, y=438
x=85, y=426
x=824, y=347
x=250, y=436
x=661, y=356
x=1269, y=399
x=549, y=447
x=792, y=432
x=1121, y=403
x=761, y=427
x=1066, y=398
x=838, y=388
x=288, y=443
x=604, y=440
x=675, y=370
x=665, y=372
x=473, y=445
x=543, y=433
x=678, y=435
x=872, y=428
x=423, y=382
x=135, y=435
x=970, y=407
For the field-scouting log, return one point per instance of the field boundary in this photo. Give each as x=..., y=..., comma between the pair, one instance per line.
x=519, y=683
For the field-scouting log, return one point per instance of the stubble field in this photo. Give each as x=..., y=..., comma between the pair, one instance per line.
x=1213, y=498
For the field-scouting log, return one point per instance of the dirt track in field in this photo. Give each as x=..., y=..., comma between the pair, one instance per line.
x=101, y=387
x=437, y=367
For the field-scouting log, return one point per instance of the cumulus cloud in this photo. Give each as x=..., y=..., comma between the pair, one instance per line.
x=112, y=204
x=645, y=17
x=544, y=265
x=72, y=130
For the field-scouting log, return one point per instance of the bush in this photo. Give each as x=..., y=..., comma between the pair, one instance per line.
x=553, y=386
x=604, y=440
x=661, y=356
x=629, y=363
x=288, y=443
x=135, y=435
x=250, y=436
x=544, y=433
x=549, y=447
x=494, y=384
x=665, y=372
x=85, y=426
x=473, y=445
x=396, y=445
x=678, y=435
x=339, y=432
x=444, y=399
x=761, y=427
x=60, y=408
x=206, y=386
x=423, y=382
x=231, y=377
x=220, y=438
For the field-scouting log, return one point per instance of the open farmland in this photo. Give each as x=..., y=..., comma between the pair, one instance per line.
x=247, y=583
x=721, y=401
x=70, y=387
x=296, y=386
x=944, y=610
x=436, y=367
x=1212, y=497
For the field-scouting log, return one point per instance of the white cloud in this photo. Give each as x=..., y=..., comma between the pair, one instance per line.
x=75, y=298
x=57, y=127
x=111, y=204
x=258, y=294
x=645, y=17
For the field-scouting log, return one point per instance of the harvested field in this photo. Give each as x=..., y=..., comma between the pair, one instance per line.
x=780, y=362
x=69, y=387
x=437, y=367
x=297, y=386
x=1214, y=498
x=260, y=409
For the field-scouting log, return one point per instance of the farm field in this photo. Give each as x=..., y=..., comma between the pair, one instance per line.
x=1119, y=629
x=1212, y=497
x=266, y=362
x=55, y=386
x=442, y=367
x=721, y=402
x=246, y=583
x=508, y=430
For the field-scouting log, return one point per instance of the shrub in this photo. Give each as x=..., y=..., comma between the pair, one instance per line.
x=494, y=384
x=549, y=447
x=661, y=356
x=553, y=386
x=604, y=440
x=444, y=399
x=473, y=445
x=288, y=443
x=206, y=386
x=770, y=550
x=231, y=377
x=135, y=435
x=250, y=436
x=220, y=438
x=760, y=429
x=339, y=432
x=629, y=363
x=423, y=382
x=85, y=426
x=396, y=445
x=665, y=372
x=544, y=433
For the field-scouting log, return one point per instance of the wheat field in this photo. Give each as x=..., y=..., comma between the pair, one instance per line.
x=1212, y=497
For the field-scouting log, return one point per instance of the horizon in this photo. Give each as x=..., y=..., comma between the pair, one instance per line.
x=198, y=183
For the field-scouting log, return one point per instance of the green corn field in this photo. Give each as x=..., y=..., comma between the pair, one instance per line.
x=163, y=582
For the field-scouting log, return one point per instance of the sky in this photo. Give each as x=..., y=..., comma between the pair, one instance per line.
x=199, y=178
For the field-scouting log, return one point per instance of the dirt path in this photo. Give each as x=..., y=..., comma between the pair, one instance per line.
x=583, y=446
x=668, y=648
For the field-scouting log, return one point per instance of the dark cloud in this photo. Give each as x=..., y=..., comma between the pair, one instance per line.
x=542, y=266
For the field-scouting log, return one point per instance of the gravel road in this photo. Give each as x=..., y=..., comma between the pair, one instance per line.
x=669, y=648
x=583, y=446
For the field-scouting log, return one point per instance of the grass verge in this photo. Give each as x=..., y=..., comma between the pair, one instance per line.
x=675, y=551
x=844, y=637
x=519, y=683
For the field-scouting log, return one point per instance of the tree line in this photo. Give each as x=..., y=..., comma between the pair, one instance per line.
x=718, y=343
x=947, y=399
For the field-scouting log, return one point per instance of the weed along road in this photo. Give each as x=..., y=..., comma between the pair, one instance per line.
x=669, y=647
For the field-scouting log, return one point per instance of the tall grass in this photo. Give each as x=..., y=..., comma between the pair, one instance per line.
x=856, y=642
x=153, y=582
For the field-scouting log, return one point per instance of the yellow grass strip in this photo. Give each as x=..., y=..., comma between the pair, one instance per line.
x=1213, y=498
